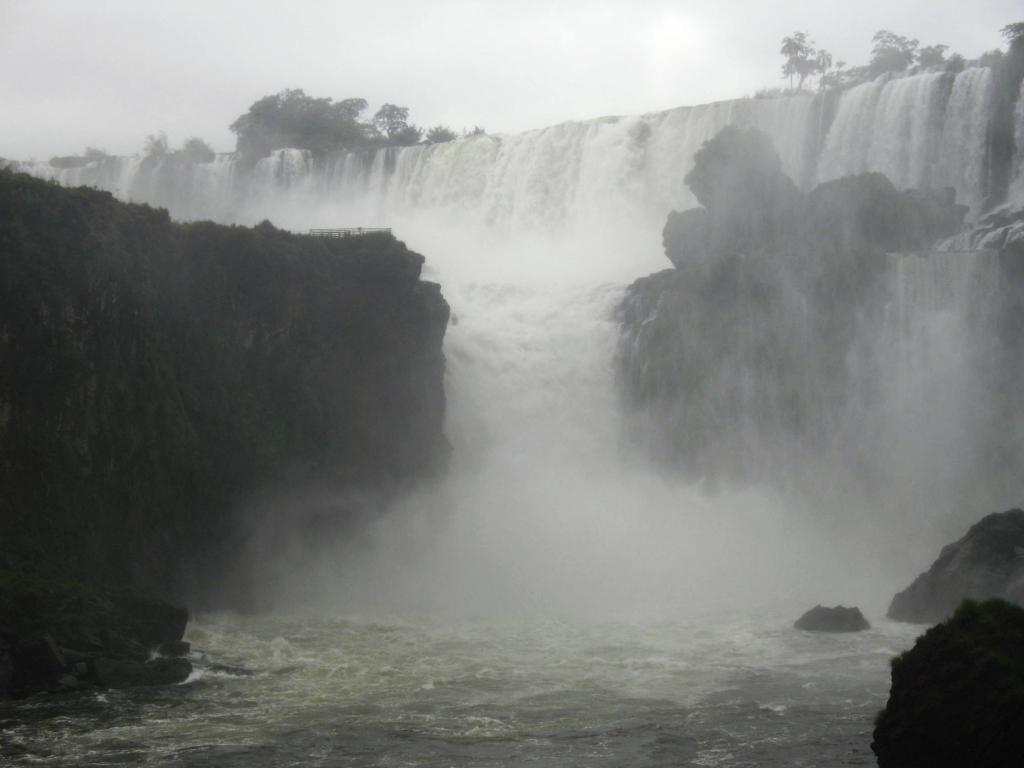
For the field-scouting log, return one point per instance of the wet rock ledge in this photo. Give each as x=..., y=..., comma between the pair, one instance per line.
x=59, y=636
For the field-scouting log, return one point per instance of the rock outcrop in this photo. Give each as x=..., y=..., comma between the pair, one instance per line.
x=158, y=379
x=957, y=696
x=62, y=636
x=836, y=619
x=987, y=562
x=756, y=358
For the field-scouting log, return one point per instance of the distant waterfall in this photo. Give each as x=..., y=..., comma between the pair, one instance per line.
x=563, y=177
x=920, y=130
x=1017, y=183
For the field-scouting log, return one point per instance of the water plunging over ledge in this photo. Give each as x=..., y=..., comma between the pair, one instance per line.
x=558, y=600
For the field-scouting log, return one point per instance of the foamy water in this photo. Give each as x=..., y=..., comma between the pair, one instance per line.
x=715, y=690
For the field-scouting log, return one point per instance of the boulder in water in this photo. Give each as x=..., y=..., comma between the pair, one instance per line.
x=957, y=696
x=987, y=562
x=836, y=619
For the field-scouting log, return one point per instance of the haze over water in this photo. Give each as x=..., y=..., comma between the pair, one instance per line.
x=561, y=597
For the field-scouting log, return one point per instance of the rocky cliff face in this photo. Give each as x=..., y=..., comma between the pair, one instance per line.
x=154, y=376
x=987, y=562
x=957, y=696
x=749, y=361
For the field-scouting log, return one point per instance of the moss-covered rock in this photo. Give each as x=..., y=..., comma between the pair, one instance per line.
x=957, y=696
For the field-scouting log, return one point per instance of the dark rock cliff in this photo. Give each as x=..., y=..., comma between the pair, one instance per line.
x=957, y=696
x=735, y=364
x=987, y=562
x=156, y=375
x=759, y=357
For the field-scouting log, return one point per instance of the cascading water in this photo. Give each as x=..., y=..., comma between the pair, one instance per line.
x=940, y=358
x=584, y=197
x=545, y=511
x=559, y=599
x=922, y=131
x=1017, y=184
x=576, y=176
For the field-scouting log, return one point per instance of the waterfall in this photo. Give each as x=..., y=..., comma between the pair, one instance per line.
x=941, y=363
x=568, y=177
x=609, y=173
x=922, y=131
x=963, y=144
x=534, y=414
x=1017, y=177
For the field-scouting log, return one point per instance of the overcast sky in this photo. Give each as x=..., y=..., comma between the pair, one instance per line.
x=105, y=73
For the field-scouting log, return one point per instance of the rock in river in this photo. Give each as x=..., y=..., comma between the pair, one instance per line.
x=836, y=619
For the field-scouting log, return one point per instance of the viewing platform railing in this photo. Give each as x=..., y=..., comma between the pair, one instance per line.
x=350, y=232
x=925, y=254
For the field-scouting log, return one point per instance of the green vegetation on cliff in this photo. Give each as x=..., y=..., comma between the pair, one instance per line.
x=154, y=375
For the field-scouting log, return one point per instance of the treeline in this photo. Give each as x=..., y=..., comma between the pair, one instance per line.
x=890, y=52
x=156, y=145
x=292, y=118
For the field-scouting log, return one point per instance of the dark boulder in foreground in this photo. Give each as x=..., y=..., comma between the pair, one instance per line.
x=987, y=562
x=837, y=619
x=60, y=636
x=957, y=696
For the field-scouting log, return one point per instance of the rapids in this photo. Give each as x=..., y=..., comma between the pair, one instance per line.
x=723, y=690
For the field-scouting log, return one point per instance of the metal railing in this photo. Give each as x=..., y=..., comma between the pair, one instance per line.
x=925, y=254
x=350, y=232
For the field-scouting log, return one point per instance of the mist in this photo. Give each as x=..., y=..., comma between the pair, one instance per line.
x=576, y=354
x=557, y=501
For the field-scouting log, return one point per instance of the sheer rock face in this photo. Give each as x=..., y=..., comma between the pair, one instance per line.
x=836, y=619
x=987, y=562
x=957, y=696
x=157, y=378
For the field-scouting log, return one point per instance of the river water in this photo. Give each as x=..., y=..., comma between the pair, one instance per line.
x=714, y=690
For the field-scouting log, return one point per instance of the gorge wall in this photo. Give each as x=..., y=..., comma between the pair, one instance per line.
x=156, y=378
